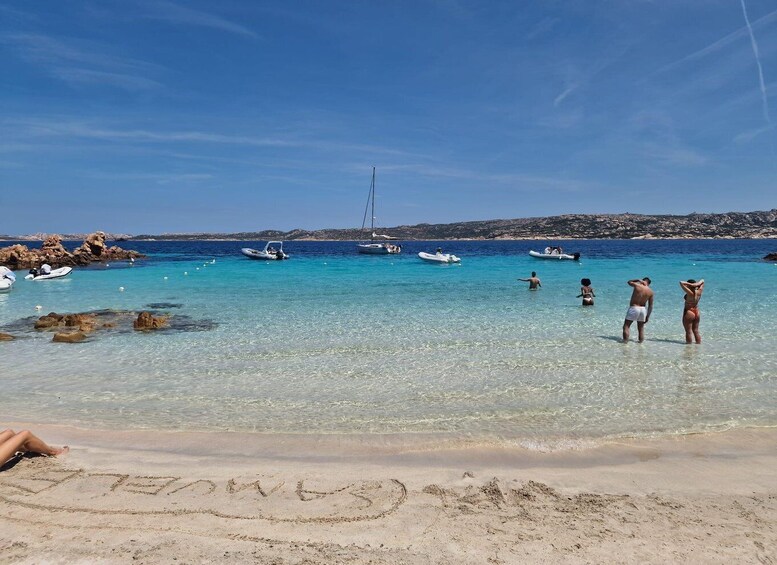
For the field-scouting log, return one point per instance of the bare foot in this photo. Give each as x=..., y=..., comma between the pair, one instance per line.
x=56, y=451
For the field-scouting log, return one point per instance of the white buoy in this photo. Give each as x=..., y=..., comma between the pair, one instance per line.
x=38, y=307
x=213, y=262
x=121, y=289
x=196, y=268
x=107, y=264
x=132, y=260
x=186, y=272
x=165, y=278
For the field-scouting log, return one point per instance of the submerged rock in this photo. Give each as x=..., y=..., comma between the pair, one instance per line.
x=146, y=321
x=69, y=337
x=771, y=257
x=6, y=337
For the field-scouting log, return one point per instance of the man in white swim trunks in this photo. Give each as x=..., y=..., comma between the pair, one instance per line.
x=640, y=307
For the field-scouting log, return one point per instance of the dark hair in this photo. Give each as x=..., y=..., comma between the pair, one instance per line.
x=647, y=279
x=691, y=281
x=585, y=282
x=533, y=273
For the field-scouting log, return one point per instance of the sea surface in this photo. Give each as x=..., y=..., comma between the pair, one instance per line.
x=331, y=341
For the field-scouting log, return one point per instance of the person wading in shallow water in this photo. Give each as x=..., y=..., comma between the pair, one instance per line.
x=587, y=292
x=642, y=295
x=534, y=282
x=26, y=442
x=691, y=315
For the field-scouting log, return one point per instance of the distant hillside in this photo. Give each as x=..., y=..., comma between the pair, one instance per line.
x=570, y=226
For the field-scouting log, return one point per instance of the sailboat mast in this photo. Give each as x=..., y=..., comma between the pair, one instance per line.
x=372, y=221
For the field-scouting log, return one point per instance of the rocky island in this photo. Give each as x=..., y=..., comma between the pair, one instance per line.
x=730, y=225
x=93, y=249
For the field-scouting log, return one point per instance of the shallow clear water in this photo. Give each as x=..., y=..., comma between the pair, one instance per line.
x=333, y=341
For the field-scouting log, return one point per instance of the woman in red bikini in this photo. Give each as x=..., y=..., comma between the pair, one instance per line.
x=691, y=315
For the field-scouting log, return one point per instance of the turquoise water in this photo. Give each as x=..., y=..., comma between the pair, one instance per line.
x=331, y=341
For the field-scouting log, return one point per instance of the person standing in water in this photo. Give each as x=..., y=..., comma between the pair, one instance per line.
x=587, y=292
x=640, y=307
x=691, y=315
x=534, y=282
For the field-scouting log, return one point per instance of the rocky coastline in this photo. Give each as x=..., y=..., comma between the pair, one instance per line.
x=92, y=250
x=730, y=225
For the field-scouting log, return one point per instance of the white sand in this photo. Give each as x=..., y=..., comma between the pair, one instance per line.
x=188, y=497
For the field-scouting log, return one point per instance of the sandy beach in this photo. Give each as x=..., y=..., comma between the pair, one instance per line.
x=150, y=497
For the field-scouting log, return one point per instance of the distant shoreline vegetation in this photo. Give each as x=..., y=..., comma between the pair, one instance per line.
x=730, y=225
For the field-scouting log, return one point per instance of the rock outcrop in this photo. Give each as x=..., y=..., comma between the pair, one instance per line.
x=6, y=337
x=147, y=322
x=54, y=253
x=771, y=257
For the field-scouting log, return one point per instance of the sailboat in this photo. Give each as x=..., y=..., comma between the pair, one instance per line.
x=374, y=248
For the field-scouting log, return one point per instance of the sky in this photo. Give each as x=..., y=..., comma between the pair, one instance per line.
x=140, y=116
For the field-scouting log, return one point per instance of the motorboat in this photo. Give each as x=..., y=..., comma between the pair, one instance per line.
x=36, y=275
x=7, y=278
x=273, y=251
x=439, y=257
x=555, y=255
x=373, y=247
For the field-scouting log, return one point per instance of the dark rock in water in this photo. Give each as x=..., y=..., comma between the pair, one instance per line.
x=162, y=305
x=6, y=337
x=107, y=321
x=69, y=337
x=771, y=257
x=146, y=321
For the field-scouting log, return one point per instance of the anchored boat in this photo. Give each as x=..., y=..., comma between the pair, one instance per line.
x=273, y=251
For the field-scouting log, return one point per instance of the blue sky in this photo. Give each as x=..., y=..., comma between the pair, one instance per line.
x=168, y=116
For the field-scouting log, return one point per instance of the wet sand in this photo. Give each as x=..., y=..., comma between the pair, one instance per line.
x=157, y=497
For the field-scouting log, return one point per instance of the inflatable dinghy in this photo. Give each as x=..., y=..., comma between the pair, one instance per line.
x=439, y=257
x=54, y=274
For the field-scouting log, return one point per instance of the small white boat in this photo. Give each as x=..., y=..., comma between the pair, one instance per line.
x=554, y=255
x=269, y=253
x=439, y=257
x=54, y=274
x=7, y=278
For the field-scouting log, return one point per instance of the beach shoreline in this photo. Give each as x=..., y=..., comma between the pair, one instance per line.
x=120, y=496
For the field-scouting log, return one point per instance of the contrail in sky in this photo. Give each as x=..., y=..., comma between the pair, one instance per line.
x=757, y=62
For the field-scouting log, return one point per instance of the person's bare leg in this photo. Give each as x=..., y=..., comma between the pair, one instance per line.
x=641, y=331
x=6, y=435
x=695, y=327
x=27, y=441
x=688, y=319
x=626, y=329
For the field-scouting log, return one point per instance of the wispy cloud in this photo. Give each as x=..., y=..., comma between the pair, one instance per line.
x=762, y=85
x=542, y=27
x=747, y=136
x=567, y=91
x=719, y=44
x=177, y=14
x=81, y=62
x=158, y=178
x=520, y=181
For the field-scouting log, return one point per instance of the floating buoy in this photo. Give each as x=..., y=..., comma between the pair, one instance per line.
x=107, y=264
x=186, y=272
x=38, y=307
x=132, y=260
x=121, y=289
x=165, y=278
x=196, y=268
x=213, y=262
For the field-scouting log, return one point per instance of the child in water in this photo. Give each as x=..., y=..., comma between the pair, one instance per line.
x=587, y=292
